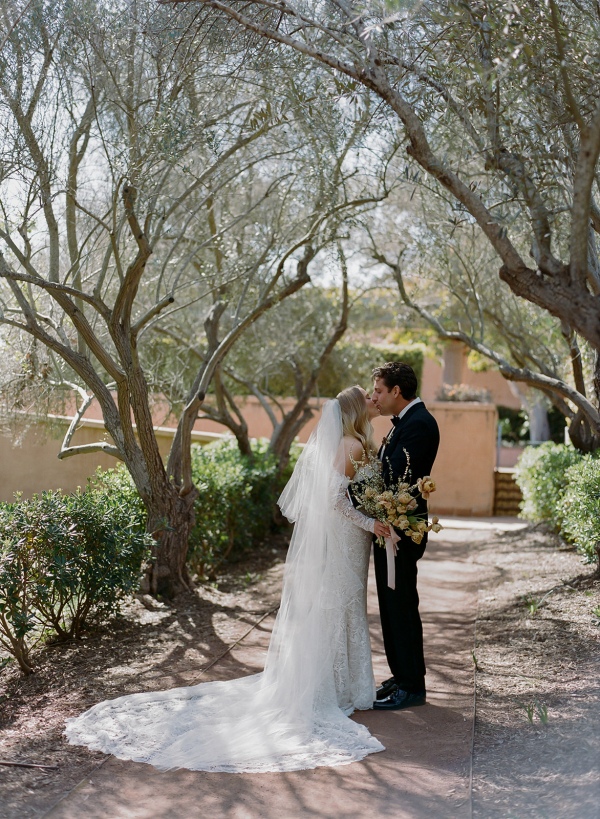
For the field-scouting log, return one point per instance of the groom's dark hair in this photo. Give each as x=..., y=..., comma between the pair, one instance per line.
x=398, y=374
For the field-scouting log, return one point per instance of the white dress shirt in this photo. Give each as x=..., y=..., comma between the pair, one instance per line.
x=408, y=406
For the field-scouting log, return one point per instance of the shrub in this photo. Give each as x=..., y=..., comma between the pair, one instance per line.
x=581, y=523
x=542, y=476
x=67, y=559
x=235, y=506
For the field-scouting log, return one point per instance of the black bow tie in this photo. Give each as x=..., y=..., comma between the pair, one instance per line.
x=395, y=420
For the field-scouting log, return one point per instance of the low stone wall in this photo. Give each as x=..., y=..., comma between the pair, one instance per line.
x=464, y=469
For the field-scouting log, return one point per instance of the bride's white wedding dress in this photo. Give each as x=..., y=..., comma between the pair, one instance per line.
x=295, y=714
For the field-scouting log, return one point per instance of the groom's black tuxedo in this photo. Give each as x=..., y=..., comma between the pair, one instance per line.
x=417, y=434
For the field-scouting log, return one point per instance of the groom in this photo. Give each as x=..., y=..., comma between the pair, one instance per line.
x=415, y=432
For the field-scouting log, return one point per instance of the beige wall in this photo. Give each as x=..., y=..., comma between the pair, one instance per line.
x=464, y=469
x=33, y=466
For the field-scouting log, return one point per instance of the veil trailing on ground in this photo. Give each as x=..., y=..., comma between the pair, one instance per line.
x=287, y=717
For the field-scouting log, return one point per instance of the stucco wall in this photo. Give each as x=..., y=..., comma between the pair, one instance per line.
x=33, y=466
x=500, y=389
x=464, y=469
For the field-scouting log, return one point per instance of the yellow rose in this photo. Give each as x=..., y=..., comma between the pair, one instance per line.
x=416, y=537
x=403, y=522
x=404, y=498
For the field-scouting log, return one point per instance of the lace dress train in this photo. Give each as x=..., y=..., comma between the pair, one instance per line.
x=294, y=714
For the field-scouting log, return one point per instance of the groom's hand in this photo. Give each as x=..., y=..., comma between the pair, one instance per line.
x=381, y=529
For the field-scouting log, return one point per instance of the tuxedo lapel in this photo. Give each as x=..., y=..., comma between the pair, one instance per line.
x=397, y=434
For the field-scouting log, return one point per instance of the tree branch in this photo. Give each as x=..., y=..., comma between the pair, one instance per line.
x=128, y=290
x=77, y=317
x=584, y=176
x=86, y=401
x=538, y=380
x=560, y=47
x=250, y=385
x=186, y=425
x=575, y=354
x=85, y=449
x=150, y=314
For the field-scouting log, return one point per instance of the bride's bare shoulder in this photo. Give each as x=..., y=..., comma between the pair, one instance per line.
x=353, y=447
x=351, y=442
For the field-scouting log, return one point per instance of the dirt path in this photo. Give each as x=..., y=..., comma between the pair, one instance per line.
x=538, y=648
x=423, y=772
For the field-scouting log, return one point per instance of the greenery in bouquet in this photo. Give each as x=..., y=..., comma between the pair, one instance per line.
x=397, y=505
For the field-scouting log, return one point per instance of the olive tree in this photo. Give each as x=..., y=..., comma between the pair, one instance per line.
x=446, y=275
x=500, y=108
x=130, y=168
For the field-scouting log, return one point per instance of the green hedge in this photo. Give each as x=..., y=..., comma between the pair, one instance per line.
x=581, y=524
x=66, y=560
x=236, y=502
x=562, y=487
x=542, y=477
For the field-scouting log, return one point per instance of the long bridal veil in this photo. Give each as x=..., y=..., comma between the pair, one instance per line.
x=286, y=717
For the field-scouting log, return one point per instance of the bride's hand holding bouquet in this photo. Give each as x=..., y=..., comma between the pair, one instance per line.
x=395, y=506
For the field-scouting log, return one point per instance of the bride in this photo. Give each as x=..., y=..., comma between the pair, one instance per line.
x=295, y=714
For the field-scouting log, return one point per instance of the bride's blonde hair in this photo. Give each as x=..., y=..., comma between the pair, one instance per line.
x=355, y=419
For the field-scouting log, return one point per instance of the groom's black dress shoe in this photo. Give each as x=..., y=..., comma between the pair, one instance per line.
x=400, y=699
x=386, y=688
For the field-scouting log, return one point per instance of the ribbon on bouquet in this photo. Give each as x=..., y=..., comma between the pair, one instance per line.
x=391, y=551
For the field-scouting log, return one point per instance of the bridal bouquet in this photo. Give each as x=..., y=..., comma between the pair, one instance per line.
x=395, y=506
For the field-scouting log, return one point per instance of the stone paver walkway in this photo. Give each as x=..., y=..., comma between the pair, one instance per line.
x=423, y=774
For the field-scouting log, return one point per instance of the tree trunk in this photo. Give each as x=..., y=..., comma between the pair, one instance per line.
x=283, y=437
x=171, y=523
x=582, y=436
x=597, y=377
x=539, y=427
x=243, y=441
